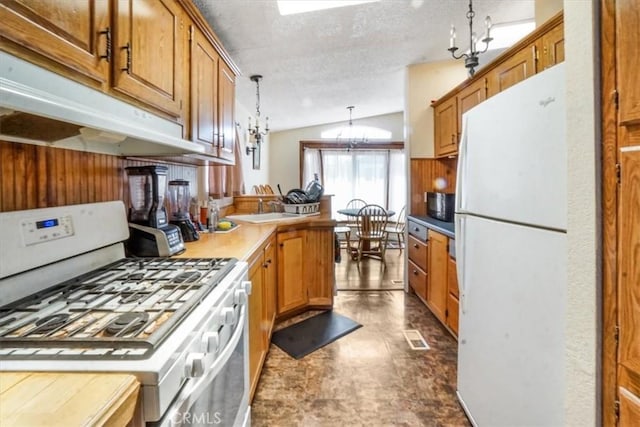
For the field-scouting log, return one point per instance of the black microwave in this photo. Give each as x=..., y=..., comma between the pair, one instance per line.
x=441, y=205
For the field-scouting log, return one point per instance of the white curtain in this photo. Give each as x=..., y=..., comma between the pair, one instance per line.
x=376, y=176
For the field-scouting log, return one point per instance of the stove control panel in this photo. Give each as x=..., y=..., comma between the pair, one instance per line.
x=42, y=230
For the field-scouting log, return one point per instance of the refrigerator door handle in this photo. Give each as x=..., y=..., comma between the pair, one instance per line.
x=460, y=220
x=462, y=168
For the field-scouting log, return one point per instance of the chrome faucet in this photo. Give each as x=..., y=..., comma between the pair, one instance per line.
x=275, y=205
x=260, y=206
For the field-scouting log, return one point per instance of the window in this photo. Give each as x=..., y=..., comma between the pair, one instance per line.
x=376, y=174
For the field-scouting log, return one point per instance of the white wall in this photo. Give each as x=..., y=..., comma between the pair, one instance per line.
x=251, y=176
x=425, y=83
x=583, y=230
x=545, y=9
x=284, y=150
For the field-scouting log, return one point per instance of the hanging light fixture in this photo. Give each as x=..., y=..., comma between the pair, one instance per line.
x=350, y=133
x=471, y=57
x=254, y=130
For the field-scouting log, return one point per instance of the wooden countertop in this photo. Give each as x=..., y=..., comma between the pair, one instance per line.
x=66, y=399
x=244, y=240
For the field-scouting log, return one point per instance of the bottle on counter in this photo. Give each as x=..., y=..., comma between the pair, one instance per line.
x=214, y=216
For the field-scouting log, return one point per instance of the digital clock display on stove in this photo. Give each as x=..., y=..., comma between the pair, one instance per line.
x=47, y=223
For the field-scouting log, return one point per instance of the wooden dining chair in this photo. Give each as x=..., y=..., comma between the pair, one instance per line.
x=371, y=231
x=397, y=228
x=348, y=224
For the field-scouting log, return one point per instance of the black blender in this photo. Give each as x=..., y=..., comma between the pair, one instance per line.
x=179, y=199
x=150, y=233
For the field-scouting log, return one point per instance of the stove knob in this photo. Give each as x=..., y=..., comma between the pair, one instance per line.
x=194, y=365
x=240, y=296
x=210, y=342
x=227, y=316
x=246, y=285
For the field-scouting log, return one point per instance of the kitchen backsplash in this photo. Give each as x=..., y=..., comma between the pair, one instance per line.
x=35, y=176
x=430, y=175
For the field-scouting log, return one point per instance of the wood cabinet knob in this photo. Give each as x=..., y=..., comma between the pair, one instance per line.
x=415, y=272
x=415, y=245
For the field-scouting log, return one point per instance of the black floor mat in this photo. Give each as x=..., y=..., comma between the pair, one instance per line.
x=307, y=336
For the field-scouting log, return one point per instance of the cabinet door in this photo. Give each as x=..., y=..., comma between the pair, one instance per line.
x=204, y=92
x=628, y=60
x=270, y=291
x=629, y=278
x=437, y=291
x=521, y=65
x=552, y=47
x=292, y=289
x=452, y=278
x=149, y=52
x=257, y=347
x=227, y=132
x=469, y=97
x=67, y=32
x=320, y=273
x=446, y=127
x=629, y=408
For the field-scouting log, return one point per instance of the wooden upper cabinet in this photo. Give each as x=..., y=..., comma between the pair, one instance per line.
x=148, y=48
x=76, y=41
x=519, y=66
x=204, y=91
x=226, y=105
x=446, y=127
x=469, y=97
x=552, y=47
x=627, y=61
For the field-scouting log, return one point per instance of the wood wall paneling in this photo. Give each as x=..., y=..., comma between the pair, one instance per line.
x=426, y=174
x=34, y=176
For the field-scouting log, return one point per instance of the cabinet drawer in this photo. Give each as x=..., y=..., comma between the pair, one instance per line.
x=418, y=230
x=418, y=252
x=418, y=280
x=452, y=313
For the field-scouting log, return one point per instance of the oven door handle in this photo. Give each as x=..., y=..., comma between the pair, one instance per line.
x=190, y=393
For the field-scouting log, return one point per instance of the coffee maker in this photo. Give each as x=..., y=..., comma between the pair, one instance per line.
x=179, y=199
x=150, y=233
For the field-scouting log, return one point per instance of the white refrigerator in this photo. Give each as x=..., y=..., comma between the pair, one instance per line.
x=511, y=220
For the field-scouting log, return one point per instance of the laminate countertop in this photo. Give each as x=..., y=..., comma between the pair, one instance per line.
x=242, y=241
x=29, y=399
x=446, y=228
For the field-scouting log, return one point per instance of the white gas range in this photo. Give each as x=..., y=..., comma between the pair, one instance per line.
x=71, y=301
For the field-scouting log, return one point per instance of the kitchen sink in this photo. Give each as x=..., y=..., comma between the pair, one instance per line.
x=268, y=217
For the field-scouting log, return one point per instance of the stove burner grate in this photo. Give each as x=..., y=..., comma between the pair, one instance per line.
x=127, y=323
x=50, y=323
x=187, y=276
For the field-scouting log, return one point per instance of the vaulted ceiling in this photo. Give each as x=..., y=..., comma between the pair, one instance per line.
x=315, y=64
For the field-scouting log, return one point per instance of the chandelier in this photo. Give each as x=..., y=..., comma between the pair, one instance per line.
x=470, y=57
x=349, y=134
x=254, y=130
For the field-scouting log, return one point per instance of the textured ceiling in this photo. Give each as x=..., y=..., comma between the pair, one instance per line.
x=316, y=64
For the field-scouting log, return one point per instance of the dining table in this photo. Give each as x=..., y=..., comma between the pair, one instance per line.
x=355, y=212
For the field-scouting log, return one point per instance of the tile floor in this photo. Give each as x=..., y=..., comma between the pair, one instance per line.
x=370, y=377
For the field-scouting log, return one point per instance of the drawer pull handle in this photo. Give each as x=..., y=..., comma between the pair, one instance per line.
x=107, y=34
x=127, y=68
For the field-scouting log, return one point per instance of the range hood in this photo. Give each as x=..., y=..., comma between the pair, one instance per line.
x=40, y=107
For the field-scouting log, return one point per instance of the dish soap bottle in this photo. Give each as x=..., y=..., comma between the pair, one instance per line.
x=214, y=215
